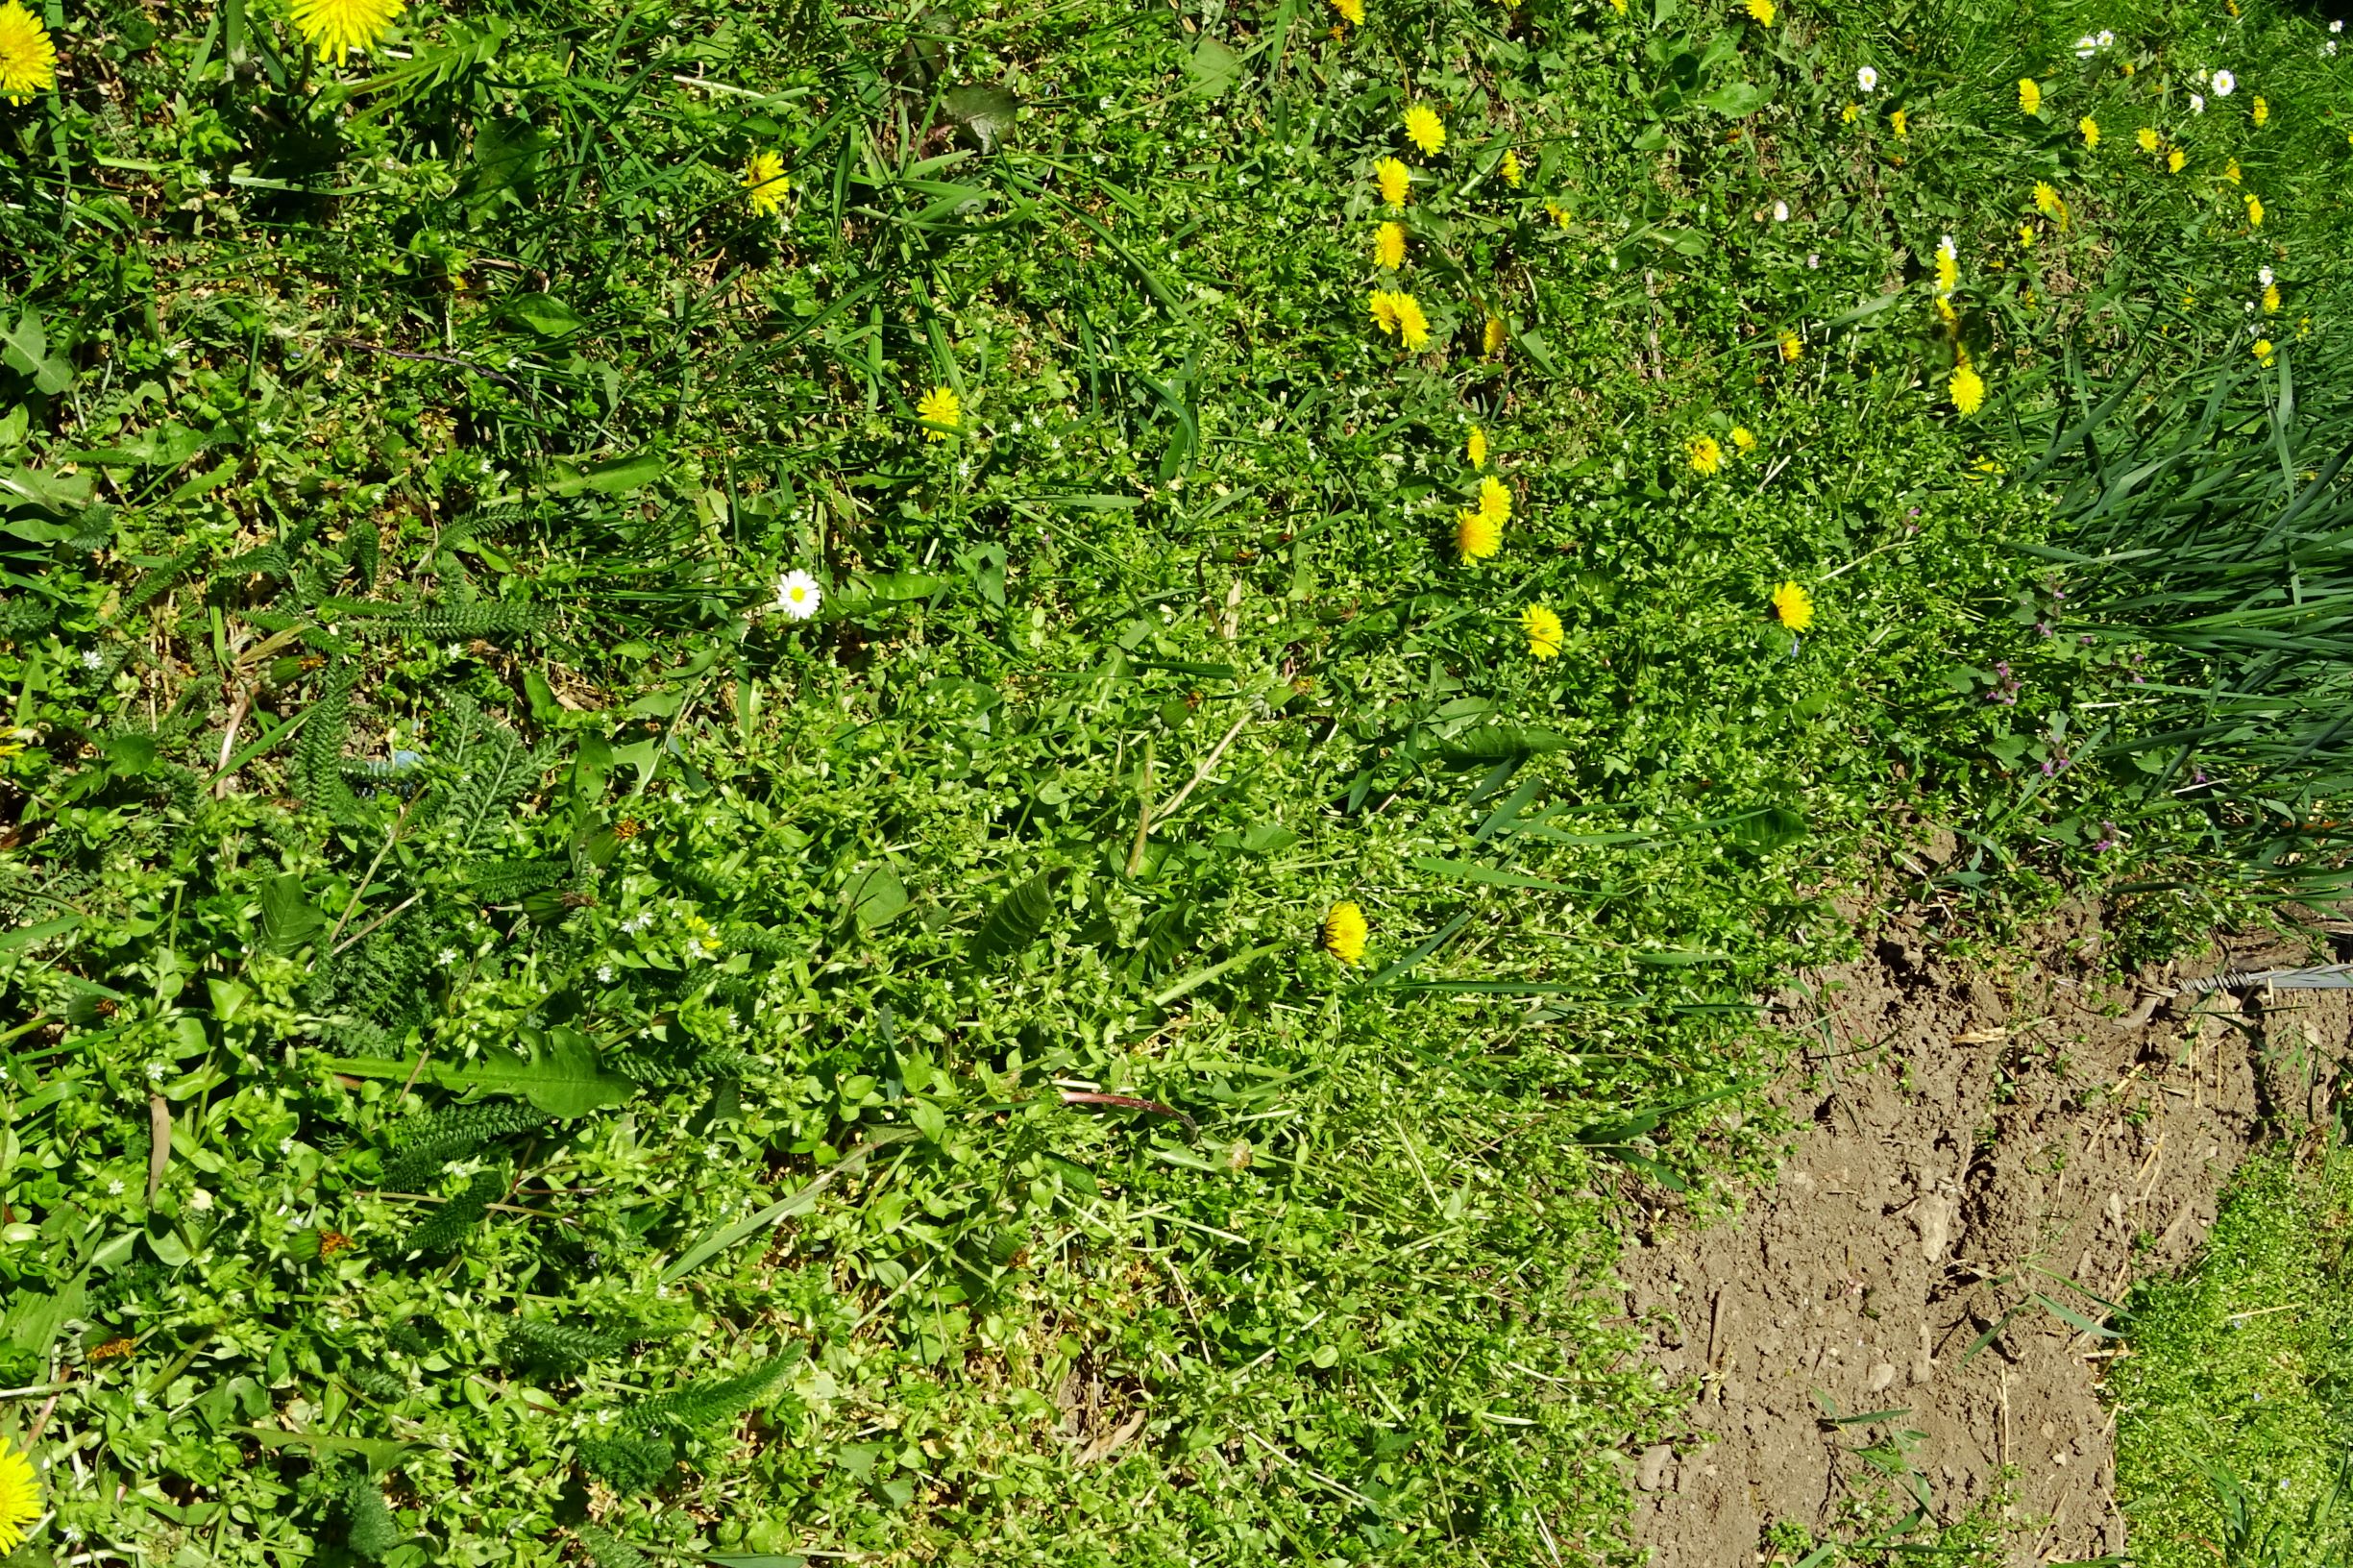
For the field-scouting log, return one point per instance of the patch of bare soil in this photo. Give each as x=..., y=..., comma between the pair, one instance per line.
x=1971, y=1139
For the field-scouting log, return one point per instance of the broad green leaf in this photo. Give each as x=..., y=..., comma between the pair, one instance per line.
x=1499, y=742
x=1018, y=920
x=288, y=918
x=986, y=111
x=877, y=898
x=563, y=1075
x=1737, y=99
x=1213, y=66
x=544, y=314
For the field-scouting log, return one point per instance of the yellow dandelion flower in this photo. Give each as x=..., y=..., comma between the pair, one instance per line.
x=2254, y=211
x=1351, y=11
x=1389, y=246
x=335, y=28
x=1744, y=440
x=1475, y=447
x=2047, y=202
x=2261, y=112
x=1945, y=313
x=1760, y=9
x=1618, y=6
x=2263, y=350
x=2089, y=128
x=20, y=1497
x=1512, y=169
x=2147, y=136
x=2271, y=298
x=765, y=187
x=2174, y=159
x=1382, y=303
x=2230, y=171
x=1707, y=456
x=1901, y=121
x=1491, y=336
x=1791, y=347
x=2025, y=236
x=1546, y=637
x=1477, y=535
x=1968, y=388
x=1345, y=933
x=2030, y=95
x=1393, y=178
x=1494, y=501
x=1412, y=326
x=1850, y=114
x=28, y=60
x=1793, y=606
x=1947, y=265
x=1425, y=130
x=942, y=411
x=1558, y=213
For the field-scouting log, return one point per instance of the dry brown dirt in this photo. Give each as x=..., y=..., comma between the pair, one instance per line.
x=1970, y=1138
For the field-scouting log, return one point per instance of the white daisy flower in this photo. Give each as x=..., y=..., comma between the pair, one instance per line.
x=1780, y=212
x=2223, y=84
x=2263, y=276
x=2086, y=46
x=2198, y=102
x=798, y=596
x=1867, y=79
x=2107, y=39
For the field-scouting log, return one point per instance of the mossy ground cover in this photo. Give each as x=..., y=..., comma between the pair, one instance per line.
x=2233, y=1421
x=519, y=1045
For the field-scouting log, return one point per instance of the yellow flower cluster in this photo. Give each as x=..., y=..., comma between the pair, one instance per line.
x=1479, y=530
x=28, y=60
x=942, y=411
x=764, y=186
x=1793, y=606
x=1425, y=130
x=1396, y=313
x=335, y=28
x=1345, y=933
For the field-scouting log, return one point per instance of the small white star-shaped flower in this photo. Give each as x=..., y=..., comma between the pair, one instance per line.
x=798, y=596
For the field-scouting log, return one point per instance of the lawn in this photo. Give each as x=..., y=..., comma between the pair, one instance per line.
x=705, y=698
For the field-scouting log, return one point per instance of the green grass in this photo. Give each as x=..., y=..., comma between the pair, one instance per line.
x=2233, y=1421
x=617, y=1044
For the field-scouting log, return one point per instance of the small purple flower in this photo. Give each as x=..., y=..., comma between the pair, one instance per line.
x=2042, y=629
x=2109, y=839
